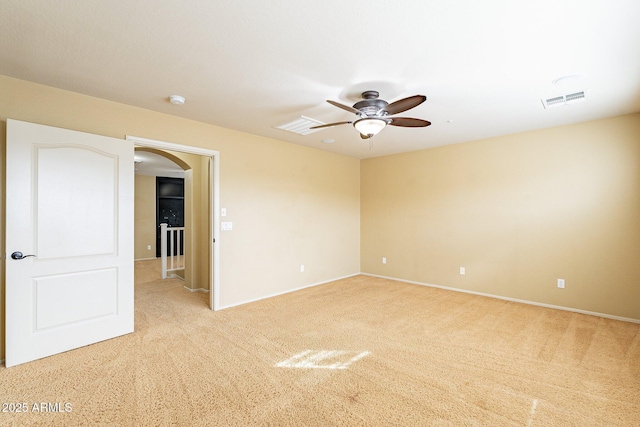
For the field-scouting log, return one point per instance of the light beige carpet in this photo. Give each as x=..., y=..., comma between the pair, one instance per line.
x=435, y=358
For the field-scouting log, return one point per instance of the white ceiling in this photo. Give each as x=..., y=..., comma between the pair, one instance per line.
x=252, y=65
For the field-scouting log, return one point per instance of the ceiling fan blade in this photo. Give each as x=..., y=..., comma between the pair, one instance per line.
x=408, y=122
x=404, y=104
x=328, y=125
x=344, y=107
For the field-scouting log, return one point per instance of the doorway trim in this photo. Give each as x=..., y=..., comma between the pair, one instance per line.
x=214, y=202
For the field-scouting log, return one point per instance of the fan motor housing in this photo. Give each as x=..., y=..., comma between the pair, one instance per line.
x=370, y=105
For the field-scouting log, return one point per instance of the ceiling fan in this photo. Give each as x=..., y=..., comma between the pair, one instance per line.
x=374, y=114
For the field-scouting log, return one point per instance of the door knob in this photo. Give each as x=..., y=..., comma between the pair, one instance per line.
x=19, y=255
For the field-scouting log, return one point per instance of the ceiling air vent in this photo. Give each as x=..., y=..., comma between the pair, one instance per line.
x=301, y=126
x=573, y=97
x=564, y=99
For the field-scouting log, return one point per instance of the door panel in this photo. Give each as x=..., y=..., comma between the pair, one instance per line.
x=97, y=289
x=70, y=204
x=63, y=201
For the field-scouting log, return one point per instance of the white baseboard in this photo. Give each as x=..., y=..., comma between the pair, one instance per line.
x=556, y=307
x=206, y=291
x=175, y=276
x=286, y=292
x=146, y=259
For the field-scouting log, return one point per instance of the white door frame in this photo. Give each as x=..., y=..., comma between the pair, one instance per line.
x=214, y=201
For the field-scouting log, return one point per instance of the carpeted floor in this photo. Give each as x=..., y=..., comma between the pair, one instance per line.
x=361, y=351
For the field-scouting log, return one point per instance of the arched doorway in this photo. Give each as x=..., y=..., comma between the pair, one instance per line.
x=210, y=159
x=156, y=166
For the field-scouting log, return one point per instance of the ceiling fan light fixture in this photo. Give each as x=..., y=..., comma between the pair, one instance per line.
x=374, y=114
x=369, y=126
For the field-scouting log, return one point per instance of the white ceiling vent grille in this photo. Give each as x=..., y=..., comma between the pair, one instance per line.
x=571, y=98
x=301, y=126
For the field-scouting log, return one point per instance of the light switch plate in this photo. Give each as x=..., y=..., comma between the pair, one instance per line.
x=226, y=226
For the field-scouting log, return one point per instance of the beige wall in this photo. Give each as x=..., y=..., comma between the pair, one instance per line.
x=201, y=233
x=518, y=212
x=145, y=217
x=289, y=205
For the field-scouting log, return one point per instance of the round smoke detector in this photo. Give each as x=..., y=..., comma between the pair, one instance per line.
x=176, y=99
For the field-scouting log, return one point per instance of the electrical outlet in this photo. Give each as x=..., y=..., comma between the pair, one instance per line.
x=148, y=247
x=561, y=283
x=463, y=271
x=384, y=260
x=301, y=268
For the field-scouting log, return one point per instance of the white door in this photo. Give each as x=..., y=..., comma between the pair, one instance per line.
x=69, y=201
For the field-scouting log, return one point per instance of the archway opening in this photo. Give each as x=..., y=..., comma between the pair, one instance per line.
x=153, y=205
